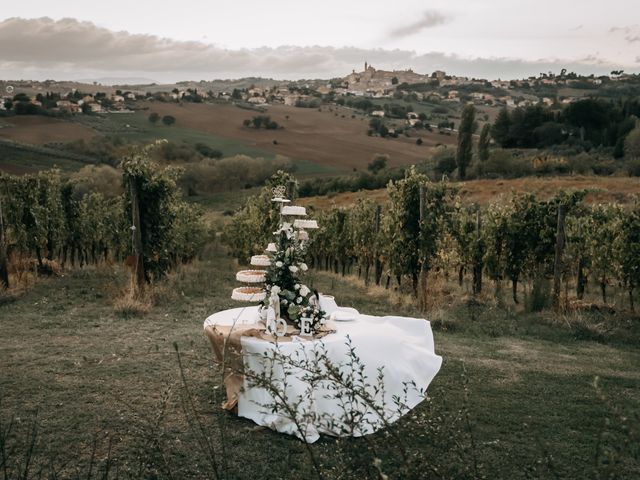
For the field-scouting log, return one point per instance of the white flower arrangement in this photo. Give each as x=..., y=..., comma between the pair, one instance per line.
x=287, y=261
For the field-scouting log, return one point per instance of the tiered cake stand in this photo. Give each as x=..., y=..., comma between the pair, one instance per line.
x=254, y=279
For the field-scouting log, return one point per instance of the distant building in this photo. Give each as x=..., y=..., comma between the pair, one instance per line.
x=375, y=82
x=257, y=100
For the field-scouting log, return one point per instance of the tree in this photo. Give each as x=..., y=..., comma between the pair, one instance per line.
x=168, y=120
x=632, y=144
x=484, y=142
x=445, y=162
x=154, y=118
x=394, y=81
x=501, y=128
x=378, y=163
x=413, y=240
x=464, y=153
x=548, y=134
x=628, y=240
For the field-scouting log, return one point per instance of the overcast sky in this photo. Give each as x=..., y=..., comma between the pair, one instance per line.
x=205, y=39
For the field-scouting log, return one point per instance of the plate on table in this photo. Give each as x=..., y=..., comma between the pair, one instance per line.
x=344, y=315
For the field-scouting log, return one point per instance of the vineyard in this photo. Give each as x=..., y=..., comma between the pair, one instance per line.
x=556, y=250
x=48, y=222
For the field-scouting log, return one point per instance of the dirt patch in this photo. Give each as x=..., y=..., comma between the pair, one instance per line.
x=622, y=190
x=318, y=136
x=38, y=130
x=511, y=357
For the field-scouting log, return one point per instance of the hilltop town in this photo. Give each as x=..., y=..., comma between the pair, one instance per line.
x=437, y=87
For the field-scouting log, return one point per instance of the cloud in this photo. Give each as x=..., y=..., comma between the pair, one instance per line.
x=71, y=49
x=430, y=19
x=631, y=33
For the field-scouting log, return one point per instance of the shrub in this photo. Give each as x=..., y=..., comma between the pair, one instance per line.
x=633, y=168
x=230, y=173
x=445, y=162
x=206, y=151
x=502, y=163
x=378, y=163
x=168, y=120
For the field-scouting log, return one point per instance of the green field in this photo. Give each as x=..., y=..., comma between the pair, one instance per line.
x=515, y=397
x=134, y=127
x=19, y=161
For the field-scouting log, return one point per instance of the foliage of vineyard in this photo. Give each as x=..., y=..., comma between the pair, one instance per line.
x=425, y=231
x=47, y=218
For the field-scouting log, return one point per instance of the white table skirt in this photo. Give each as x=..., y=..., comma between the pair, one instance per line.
x=401, y=349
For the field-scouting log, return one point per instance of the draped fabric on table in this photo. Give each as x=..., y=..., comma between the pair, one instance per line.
x=377, y=369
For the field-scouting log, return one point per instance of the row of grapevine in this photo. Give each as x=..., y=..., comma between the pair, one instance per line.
x=425, y=230
x=46, y=218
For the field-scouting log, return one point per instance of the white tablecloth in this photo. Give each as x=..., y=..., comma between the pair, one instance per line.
x=396, y=353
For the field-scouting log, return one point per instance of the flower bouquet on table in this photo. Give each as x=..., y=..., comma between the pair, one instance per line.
x=286, y=296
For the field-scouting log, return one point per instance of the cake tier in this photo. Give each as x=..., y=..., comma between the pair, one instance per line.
x=272, y=248
x=300, y=223
x=248, y=294
x=260, y=261
x=251, y=276
x=294, y=210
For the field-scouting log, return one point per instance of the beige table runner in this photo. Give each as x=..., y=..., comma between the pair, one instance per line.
x=227, y=347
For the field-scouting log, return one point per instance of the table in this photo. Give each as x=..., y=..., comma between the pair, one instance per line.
x=361, y=378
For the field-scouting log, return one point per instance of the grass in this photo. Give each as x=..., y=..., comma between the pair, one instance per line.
x=19, y=161
x=110, y=384
x=135, y=127
x=623, y=190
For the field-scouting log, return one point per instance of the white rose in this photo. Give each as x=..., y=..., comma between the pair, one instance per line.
x=279, y=264
x=299, y=300
x=297, y=286
x=304, y=291
x=275, y=289
x=293, y=269
x=304, y=267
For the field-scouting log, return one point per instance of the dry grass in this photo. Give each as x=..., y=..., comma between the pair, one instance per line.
x=132, y=305
x=623, y=190
x=39, y=130
x=317, y=136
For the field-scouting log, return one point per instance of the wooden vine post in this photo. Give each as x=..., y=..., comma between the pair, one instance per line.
x=378, y=266
x=4, y=262
x=477, y=256
x=557, y=264
x=423, y=270
x=139, y=276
